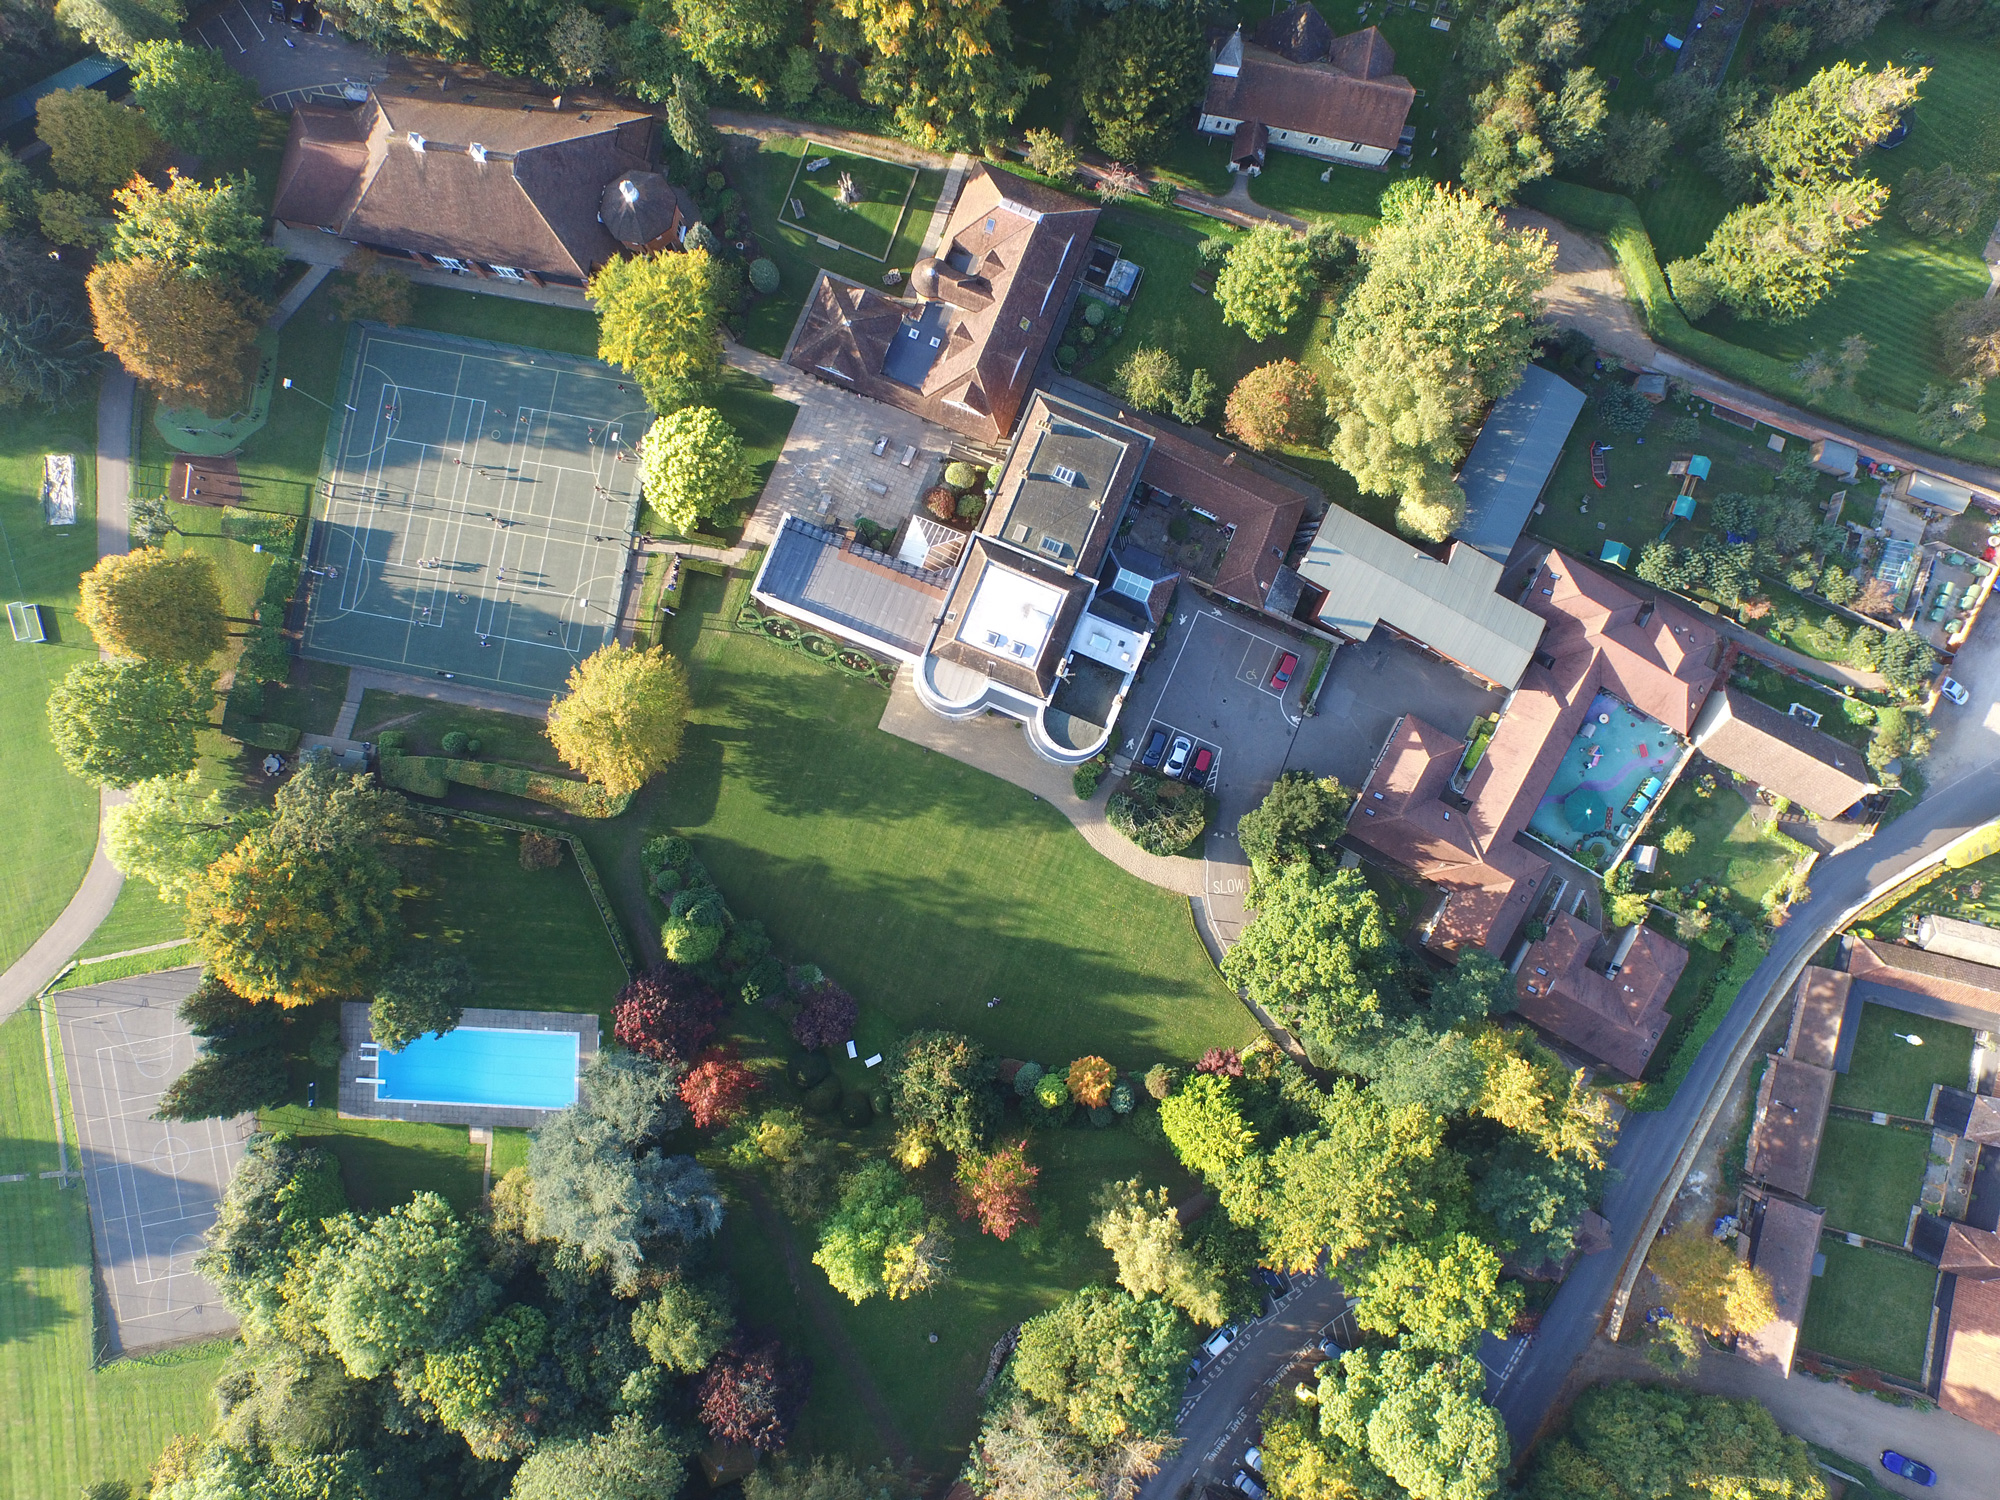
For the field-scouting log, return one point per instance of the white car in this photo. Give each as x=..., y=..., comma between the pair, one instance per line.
x=1254, y=1460
x=1243, y=1484
x=1177, y=758
x=1954, y=690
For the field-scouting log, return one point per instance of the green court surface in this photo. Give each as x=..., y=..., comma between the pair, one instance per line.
x=475, y=511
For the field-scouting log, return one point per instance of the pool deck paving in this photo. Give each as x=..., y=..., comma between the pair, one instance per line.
x=357, y=1100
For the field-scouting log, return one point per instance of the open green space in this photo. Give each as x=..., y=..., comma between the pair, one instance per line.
x=382, y=1162
x=1891, y=1075
x=760, y=171
x=51, y=826
x=138, y=918
x=517, y=738
x=1869, y=1176
x=310, y=699
x=1871, y=1308
x=866, y=224
x=1736, y=858
x=63, y=1424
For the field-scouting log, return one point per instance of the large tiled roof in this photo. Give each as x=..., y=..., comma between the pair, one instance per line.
x=1262, y=510
x=1316, y=98
x=1819, y=1008
x=1970, y=1384
x=1968, y=993
x=1562, y=987
x=496, y=180
x=1783, y=754
x=1065, y=483
x=1785, y=1242
x=992, y=296
x=1791, y=1115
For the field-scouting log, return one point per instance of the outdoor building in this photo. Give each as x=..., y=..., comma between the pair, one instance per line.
x=1969, y=1386
x=1301, y=88
x=1783, y=1239
x=1517, y=451
x=1604, y=995
x=965, y=347
x=1784, y=755
x=1824, y=1011
x=1785, y=1133
x=1972, y=941
x=1935, y=491
x=496, y=187
x=1604, y=673
x=827, y=580
x=1924, y=983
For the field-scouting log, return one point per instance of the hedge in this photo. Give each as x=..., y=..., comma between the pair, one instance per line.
x=432, y=776
x=781, y=631
x=1617, y=219
x=280, y=737
x=1745, y=953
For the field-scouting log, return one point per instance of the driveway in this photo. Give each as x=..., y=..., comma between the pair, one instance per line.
x=1969, y=737
x=1219, y=1420
x=1368, y=688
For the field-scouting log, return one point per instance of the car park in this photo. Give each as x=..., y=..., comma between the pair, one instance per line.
x=1247, y=1484
x=1177, y=758
x=1908, y=1468
x=1254, y=1460
x=1201, y=765
x=1954, y=690
x=1155, y=748
x=1282, y=678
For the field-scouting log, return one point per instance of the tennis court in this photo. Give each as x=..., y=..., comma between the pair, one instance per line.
x=475, y=512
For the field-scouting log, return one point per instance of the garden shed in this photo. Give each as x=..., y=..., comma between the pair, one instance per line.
x=1838, y=459
x=1919, y=488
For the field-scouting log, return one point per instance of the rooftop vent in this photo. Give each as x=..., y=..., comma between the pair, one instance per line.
x=1066, y=475
x=416, y=140
x=628, y=190
x=477, y=152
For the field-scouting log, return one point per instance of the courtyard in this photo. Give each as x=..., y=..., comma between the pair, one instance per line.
x=1610, y=774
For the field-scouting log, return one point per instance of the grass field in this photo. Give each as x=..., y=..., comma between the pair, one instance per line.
x=46, y=839
x=138, y=918
x=1868, y=1177
x=62, y=1424
x=1729, y=845
x=1893, y=1076
x=866, y=226
x=310, y=700
x=1872, y=1308
x=760, y=170
x=509, y=737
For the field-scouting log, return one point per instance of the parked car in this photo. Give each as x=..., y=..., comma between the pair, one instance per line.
x=1954, y=690
x=1254, y=1460
x=1908, y=1468
x=1219, y=1341
x=1177, y=758
x=1245, y=1484
x=1275, y=1280
x=1155, y=748
x=1282, y=678
x=1199, y=767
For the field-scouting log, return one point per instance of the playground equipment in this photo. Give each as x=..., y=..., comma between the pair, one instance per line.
x=1688, y=471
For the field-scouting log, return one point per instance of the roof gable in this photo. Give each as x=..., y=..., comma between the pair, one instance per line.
x=1783, y=755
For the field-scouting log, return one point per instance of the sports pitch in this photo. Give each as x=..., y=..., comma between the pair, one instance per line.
x=475, y=511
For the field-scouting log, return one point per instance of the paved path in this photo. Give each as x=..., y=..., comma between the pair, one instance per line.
x=1589, y=294
x=295, y=295
x=94, y=898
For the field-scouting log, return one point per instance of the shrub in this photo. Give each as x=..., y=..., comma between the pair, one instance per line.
x=667, y=1014
x=1623, y=409
x=1052, y=1094
x=764, y=981
x=473, y=746
x=961, y=476
x=1214, y=250
x=1159, y=1080
x=1065, y=356
x=764, y=276
x=717, y=1088
x=1223, y=1062
x=689, y=944
x=454, y=743
x=1085, y=778
x=540, y=851
x=1090, y=1080
x=1122, y=1098
x=1161, y=817
x=1093, y=312
x=970, y=505
x=941, y=502
x=826, y=1019
x=1027, y=1079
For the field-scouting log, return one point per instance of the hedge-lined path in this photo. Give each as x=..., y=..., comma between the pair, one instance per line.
x=1589, y=294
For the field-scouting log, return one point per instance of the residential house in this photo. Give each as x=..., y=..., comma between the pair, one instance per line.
x=1969, y=1379
x=964, y=347
x=1792, y=1101
x=1605, y=996
x=1783, y=1242
x=1925, y=983
x=1300, y=88
x=495, y=186
x=1784, y=755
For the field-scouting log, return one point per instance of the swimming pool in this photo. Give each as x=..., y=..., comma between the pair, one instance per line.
x=482, y=1065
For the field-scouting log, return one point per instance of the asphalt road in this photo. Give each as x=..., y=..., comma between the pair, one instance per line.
x=1649, y=1143
x=1220, y=1419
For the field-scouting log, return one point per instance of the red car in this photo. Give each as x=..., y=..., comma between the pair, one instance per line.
x=1282, y=678
x=1198, y=768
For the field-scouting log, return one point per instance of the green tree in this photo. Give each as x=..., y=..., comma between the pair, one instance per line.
x=1623, y=906
x=693, y=467
x=1476, y=987
x=687, y=120
x=1941, y=202
x=659, y=320
x=1814, y=135
x=1441, y=1295
x=1266, y=282
x=1150, y=378
x=94, y=145
x=1947, y=414
x=194, y=99
x=1141, y=70
x=399, y=1284
x=620, y=721
x=1971, y=334
x=1635, y=148
x=944, y=69
x=1536, y=1201
x=1299, y=817
x=1048, y=154
x=425, y=992
x=1110, y=1364
x=581, y=46
x=823, y=1478
x=478, y=1385
x=1708, y=1287
x=116, y=723
x=154, y=606
x=1320, y=954
x=17, y=194
x=119, y=26
x=592, y=1194
x=1420, y=1419
x=169, y=833
x=1275, y=406
x=941, y=1086
x=1777, y=259
x=634, y=1460
x=684, y=1327
x=1632, y=1442
x=211, y=234
x=274, y=1204
x=1204, y=1121
x=1142, y=1230
x=742, y=44
x=188, y=338
x=878, y=1215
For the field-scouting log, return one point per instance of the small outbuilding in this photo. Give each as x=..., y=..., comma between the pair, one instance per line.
x=1919, y=488
x=1836, y=458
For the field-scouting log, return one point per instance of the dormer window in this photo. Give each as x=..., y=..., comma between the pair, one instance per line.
x=416, y=140
x=477, y=152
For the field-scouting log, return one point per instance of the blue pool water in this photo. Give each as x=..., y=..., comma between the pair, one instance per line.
x=477, y=1065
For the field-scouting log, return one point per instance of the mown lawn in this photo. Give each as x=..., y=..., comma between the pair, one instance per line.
x=64, y=1425
x=1730, y=848
x=51, y=826
x=1868, y=1176
x=138, y=918
x=1894, y=1077
x=1871, y=1307
x=868, y=225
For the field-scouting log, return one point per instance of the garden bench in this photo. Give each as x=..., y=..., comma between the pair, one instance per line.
x=26, y=619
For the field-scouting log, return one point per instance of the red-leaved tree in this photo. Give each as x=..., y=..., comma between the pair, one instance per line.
x=1223, y=1062
x=825, y=1018
x=995, y=1187
x=753, y=1392
x=666, y=1013
x=1278, y=403
x=716, y=1088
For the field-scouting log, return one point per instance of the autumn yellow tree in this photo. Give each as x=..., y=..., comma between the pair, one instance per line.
x=190, y=338
x=1708, y=1287
x=155, y=606
x=659, y=319
x=620, y=723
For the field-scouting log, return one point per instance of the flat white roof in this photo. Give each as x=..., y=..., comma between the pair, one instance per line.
x=1109, y=642
x=1010, y=615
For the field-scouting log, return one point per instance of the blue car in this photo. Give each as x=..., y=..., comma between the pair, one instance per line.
x=1908, y=1468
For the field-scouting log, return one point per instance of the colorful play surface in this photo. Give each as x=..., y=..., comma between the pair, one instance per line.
x=1616, y=754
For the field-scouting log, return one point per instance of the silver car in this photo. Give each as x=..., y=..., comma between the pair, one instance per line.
x=1954, y=690
x=1177, y=758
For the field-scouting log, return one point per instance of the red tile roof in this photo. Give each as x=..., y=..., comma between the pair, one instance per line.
x=1791, y=1114
x=1934, y=974
x=1786, y=1240
x=1562, y=988
x=1316, y=98
x=1971, y=1254
x=1819, y=1007
x=1970, y=1386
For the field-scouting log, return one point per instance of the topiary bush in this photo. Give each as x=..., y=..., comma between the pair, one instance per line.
x=970, y=505
x=764, y=980
x=941, y=502
x=1065, y=356
x=473, y=745
x=1052, y=1095
x=1122, y=1098
x=1026, y=1080
x=961, y=476
x=1090, y=1081
x=1160, y=1081
x=455, y=742
x=1093, y=313
x=764, y=276
x=808, y=1070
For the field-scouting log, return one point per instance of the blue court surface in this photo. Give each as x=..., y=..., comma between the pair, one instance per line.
x=475, y=512
x=477, y=1065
